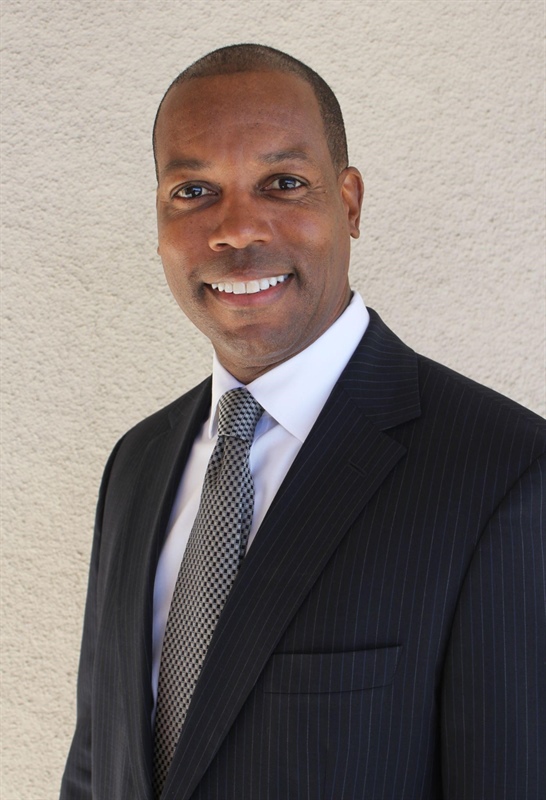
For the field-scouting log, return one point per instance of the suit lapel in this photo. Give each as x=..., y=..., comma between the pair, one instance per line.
x=154, y=490
x=342, y=463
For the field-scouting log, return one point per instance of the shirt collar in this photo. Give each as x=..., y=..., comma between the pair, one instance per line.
x=294, y=392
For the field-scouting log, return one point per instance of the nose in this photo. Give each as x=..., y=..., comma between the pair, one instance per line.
x=240, y=223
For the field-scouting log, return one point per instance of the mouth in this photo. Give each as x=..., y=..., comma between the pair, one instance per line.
x=248, y=287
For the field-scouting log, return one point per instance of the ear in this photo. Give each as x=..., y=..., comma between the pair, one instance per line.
x=352, y=194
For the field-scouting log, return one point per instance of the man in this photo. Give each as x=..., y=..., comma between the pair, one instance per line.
x=383, y=636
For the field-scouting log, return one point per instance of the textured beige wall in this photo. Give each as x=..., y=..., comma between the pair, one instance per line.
x=445, y=113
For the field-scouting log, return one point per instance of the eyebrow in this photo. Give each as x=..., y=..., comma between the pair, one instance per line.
x=196, y=164
x=185, y=163
x=284, y=155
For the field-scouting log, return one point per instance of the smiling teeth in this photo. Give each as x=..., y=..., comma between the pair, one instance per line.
x=249, y=287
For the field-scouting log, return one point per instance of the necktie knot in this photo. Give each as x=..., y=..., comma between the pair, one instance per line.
x=238, y=414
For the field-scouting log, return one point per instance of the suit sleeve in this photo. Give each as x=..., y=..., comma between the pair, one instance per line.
x=77, y=779
x=494, y=691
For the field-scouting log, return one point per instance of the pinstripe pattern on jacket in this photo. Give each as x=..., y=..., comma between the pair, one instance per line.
x=385, y=637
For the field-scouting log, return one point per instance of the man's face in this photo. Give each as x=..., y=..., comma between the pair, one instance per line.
x=254, y=224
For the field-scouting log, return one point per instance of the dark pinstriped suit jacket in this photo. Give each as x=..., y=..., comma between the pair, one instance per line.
x=386, y=634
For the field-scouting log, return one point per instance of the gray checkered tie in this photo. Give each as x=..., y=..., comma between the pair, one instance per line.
x=214, y=552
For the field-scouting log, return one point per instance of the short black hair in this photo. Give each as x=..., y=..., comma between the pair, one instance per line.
x=260, y=58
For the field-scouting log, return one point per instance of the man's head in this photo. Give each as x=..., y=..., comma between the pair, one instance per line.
x=254, y=214
x=259, y=58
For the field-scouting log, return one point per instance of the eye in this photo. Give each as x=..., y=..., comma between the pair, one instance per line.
x=192, y=191
x=285, y=183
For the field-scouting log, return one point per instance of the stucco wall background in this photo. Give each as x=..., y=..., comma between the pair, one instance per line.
x=444, y=107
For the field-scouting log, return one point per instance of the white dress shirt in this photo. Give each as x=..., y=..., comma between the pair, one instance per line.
x=292, y=396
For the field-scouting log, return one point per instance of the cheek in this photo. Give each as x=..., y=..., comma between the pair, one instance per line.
x=322, y=254
x=306, y=229
x=184, y=294
x=180, y=241
x=175, y=269
x=317, y=231
x=178, y=267
x=175, y=284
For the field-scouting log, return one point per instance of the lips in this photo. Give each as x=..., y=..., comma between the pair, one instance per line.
x=248, y=287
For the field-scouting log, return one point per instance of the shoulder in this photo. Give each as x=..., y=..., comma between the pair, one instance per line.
x=479, y=437
x=394, y=384
x=178, y=418
x=442, y=416
x=443, y=391
x=449, y=394
x=172, y=414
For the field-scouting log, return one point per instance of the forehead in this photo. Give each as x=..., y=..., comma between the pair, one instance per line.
x=258, y=109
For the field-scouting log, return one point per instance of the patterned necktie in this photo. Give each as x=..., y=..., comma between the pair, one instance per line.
x=211, y=561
